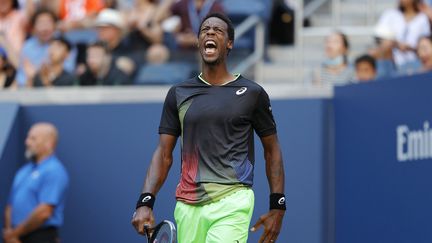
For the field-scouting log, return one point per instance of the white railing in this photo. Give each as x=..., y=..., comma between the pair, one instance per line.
x=312, y=7
x=336, y=14
x=256, y=57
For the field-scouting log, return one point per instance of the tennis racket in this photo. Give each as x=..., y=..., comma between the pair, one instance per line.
x=164, y=232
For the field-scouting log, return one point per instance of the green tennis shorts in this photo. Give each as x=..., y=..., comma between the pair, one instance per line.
x=226, y=220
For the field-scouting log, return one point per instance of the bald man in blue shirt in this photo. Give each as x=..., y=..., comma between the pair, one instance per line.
x=36, y=202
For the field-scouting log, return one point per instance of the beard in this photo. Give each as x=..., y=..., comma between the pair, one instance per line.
x=215, y=62
x=30, y=155
x=212, y=63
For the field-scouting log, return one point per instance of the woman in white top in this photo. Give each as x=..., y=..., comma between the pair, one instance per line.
x=409, y=24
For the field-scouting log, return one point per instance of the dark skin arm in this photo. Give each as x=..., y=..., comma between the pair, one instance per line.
x=272, y=221
x=36, y=219
x=7, y=217
x=156, y=175
x=7, y=227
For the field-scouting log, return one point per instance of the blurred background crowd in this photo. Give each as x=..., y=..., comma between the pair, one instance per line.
x=132, y=42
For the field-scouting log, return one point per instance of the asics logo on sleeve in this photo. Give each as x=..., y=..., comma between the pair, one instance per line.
x=281, y=201
x=146, y=199
x=241, y=91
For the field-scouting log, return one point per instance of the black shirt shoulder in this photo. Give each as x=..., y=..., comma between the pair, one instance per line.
x=64, y=79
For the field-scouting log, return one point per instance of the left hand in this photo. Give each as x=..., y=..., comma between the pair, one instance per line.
x=45, y=74
x=9, y=236
x=272, y=222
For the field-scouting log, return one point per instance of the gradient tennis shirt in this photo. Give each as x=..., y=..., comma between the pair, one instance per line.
x=216, y=125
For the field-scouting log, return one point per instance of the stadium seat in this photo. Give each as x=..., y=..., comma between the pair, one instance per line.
x=238, y=13
x=81, y=36
x=237, y=10
x=167, y=73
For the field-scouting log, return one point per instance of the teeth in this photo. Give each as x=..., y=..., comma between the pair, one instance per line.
x=207, y=43
x=209, y=51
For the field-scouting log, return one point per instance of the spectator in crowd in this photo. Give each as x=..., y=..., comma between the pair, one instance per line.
x=424, y=52
x=409, y=24
x=111, y=26
x=190, y=13
x=365, y=68
x=335, y=70
x=78, y=14
x=12, y=28
x=34, y=211
x=383, y=51
x=52, y=73
x=101, y=69
x=157, y=69
x=425, y=7
x=7, y=71
x=35, y=49
x=144, y=31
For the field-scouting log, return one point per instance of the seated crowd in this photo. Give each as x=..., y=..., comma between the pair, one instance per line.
x=109, y=42
x=402, y=46
x=98, y=42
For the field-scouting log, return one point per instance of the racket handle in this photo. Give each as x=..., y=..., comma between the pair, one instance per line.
x=147, y=228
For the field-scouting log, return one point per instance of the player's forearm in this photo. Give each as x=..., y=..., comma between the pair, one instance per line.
x=274, y=164
x=36, y=219
x=275, y=172
x=160, y=165
x=158, y=171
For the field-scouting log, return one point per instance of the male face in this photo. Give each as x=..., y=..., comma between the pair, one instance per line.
x=44, y=27
x=57, y=52
x=109, y=34
x=213, y=42
x=41, y=140
x=36, y=142
x=365, y=71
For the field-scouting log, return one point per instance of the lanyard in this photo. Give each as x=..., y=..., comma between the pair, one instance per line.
x=195, y=17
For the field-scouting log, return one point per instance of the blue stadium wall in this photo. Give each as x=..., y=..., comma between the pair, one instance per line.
x=384, y=161
x=358, y=166
x=106, y=149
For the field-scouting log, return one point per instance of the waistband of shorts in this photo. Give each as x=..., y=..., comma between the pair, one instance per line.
x=43, y=230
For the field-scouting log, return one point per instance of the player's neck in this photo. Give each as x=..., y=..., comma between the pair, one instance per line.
x=216, y=75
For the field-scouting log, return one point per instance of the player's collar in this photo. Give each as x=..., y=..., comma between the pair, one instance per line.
x=236, y=76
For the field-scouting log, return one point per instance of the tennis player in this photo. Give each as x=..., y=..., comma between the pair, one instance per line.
x=215, y=115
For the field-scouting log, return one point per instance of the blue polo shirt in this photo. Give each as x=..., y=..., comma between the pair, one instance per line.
x=35, y=184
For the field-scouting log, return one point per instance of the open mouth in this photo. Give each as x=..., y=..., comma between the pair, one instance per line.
x=209, y=47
